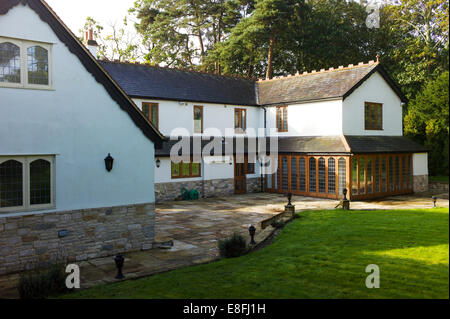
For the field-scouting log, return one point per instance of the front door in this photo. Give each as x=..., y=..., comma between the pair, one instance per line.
x=240, y=183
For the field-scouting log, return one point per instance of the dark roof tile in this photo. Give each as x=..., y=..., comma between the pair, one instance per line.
x=145, y=81
x=383, y=144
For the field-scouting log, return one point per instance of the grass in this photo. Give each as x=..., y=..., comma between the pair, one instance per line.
x=322, y=254
x=440, y=178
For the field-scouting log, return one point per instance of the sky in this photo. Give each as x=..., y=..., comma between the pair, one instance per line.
x=106, y=12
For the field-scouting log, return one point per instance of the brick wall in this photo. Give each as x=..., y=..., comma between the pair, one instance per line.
x=31, y=241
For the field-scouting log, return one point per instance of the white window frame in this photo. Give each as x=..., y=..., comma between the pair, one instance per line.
x=26, y=161
x=23, y=47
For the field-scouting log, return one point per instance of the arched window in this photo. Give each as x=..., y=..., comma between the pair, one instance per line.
x=11, y=184
x=342, y=170
x=331, y=176
x=40, y=185
x=322, y=175
x=37, y=65
x=312, y=175
x=9, y=63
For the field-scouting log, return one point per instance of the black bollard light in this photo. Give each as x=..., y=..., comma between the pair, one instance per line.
x=252, y=231
x=344, y=191
x=289, y=196
x=119, y=264
x=434, y=199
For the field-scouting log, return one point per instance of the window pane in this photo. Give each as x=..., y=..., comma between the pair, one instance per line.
x=236, y=118
x=269, y=181
x=154, y=115
x=354, y=176
x=279, y=119
x=383, y=175
x=185, y=169
x=195, y=169
x=11, y=184
x=312, y=175
x=294, y=173
x=377, y=175
x=342, y=170
x=367, y=116
x=405, y=173
x=302, y=175
x=284, y=168
x=198, y=112
x=397, y=173
x=391, y=174
x=331, y=176
x=250, y=168
x=362, y=176
x=37, y=65
x=369, y=175
x=9, y=63
x=175, y=169
x=146, y=110
x=285, y=124
x=379, y=117
x=40, y=187
x=321, y=175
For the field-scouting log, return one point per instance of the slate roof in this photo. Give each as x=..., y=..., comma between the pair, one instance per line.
x=327, y=84
x=63, y=33
x=383, y=144
x=145, y=81
x=320, y=145
x=311, y=144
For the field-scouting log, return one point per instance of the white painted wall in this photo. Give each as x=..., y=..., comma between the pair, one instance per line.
x=374, y=89
x=79, y=123
x=173, y=115
x=209, y=170
x=310, y=119
x=420, y=164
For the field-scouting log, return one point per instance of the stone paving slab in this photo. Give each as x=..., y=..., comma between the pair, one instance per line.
x=196, y=226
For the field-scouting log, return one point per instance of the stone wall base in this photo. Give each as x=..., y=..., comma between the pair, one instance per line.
x=420, y=183
x=36, y=240
x=208, y=188
x=438, y=187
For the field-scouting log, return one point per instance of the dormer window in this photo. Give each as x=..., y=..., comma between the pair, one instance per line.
x=25, y=64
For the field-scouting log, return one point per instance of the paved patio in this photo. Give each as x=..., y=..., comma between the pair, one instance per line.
x=196, y=226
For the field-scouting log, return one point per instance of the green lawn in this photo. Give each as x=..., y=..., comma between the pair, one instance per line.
x=322, y=254
x=440, y=178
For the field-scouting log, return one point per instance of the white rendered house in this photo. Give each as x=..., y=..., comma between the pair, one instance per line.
x=60, y=195
x=336, y=128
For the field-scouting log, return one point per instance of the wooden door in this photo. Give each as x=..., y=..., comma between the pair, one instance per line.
x=240, y=181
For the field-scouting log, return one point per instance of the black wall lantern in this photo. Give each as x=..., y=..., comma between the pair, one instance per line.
x=158, y=162
x=109, y=162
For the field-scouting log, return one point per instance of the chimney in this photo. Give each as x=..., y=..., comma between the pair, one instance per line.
x=90, y=43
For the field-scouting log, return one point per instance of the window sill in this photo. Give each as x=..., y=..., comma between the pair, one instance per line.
x=27, y=87
x=22, y=209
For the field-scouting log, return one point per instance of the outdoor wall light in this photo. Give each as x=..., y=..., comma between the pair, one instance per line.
x=119, y=260
x=434, y=199
x=252, y=231
x=344, y=191
x=109, y=162
x=158, y=162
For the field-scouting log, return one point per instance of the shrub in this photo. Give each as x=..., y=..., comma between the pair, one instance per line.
x=233, y=246
x=278, y=224
x=39, y=284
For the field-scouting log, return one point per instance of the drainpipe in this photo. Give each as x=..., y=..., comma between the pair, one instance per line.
x=260, y=164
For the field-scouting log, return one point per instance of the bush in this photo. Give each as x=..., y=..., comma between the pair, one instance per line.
x=39, y=284
x=233, y=246
x=278, y=224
